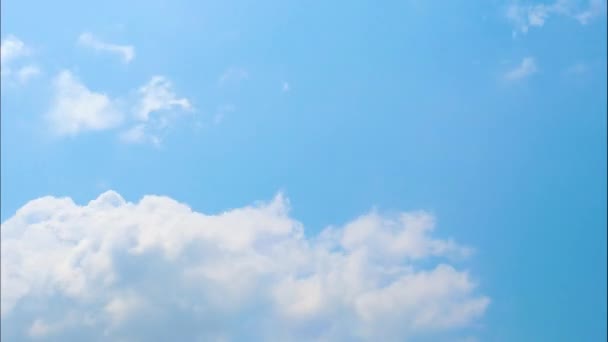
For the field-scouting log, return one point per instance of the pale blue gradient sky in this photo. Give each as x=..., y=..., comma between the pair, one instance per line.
x=401, y=106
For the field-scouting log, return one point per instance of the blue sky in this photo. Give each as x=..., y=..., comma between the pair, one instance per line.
x=489, y=116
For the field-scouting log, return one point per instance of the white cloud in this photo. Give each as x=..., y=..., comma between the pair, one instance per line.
x=123, y=306
x=233, y=75
x=12, y=50
x=525, y=69
x=138, y=134
x=525, y=16
x=595, y=9
x=155, y=97
x=135, y=134
x=43, y=329
x=132, y=270
x=126, y=52
x=39, y=329
x=425, y=300
x=27, y=72
x=75, y=108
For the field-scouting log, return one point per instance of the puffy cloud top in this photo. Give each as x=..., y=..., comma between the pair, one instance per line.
x=118, y=270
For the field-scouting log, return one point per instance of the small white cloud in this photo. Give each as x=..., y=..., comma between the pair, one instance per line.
x=121, y=307
x=158, y=97
x=126, y=52
x=12, y=48
x=233, y=75
x=26, y=73
x=525, y=69
x=42, y=329
x=595, y=9
x=138, y=134
x=75, y=108
x=39, y=329
x=525, y=16
x=117, y=263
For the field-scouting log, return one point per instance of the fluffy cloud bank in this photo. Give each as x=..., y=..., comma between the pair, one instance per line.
x=156, y=270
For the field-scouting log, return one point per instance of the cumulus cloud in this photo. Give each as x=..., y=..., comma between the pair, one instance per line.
x=125, y=52
x=12, y=49
x=156, y=269
x=525, y=16
x=155, y=97
x=526, y=68
x=75, y=108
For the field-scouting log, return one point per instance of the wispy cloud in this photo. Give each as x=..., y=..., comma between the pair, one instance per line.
x=526, y=68
x=158, y=97
x=12, y=50
x=118, y=264
x=75, y=108
x=126, y=52
x=221, y=112
x=26, y=73
x=285, y=86
x=595, y=9
x=139, y=134
x=525, y=16
x=233, y=75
